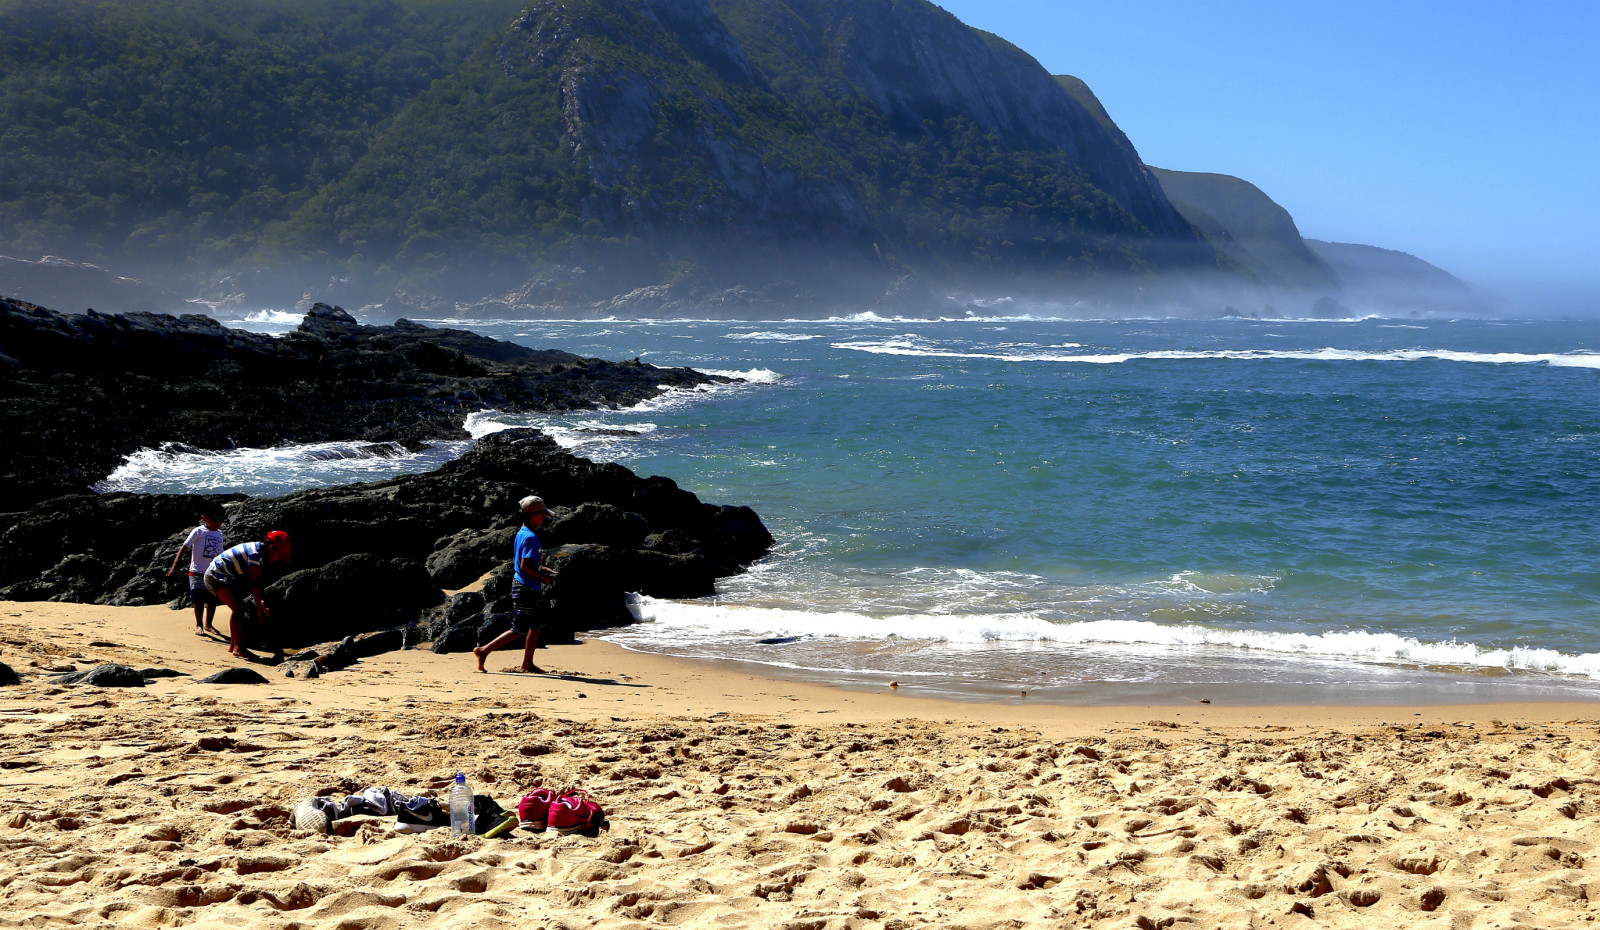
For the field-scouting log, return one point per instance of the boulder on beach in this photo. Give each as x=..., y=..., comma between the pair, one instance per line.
x=235, y=676
x=352, y=594
x=104, y=676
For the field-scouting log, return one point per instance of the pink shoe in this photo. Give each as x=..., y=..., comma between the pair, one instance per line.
x=534, y=808
x=577, y=812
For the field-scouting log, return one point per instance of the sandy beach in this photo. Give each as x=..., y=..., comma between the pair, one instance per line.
x=736, y=800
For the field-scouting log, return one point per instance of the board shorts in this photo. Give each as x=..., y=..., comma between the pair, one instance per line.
x=198, y=589
x=528, y=608
x=212, y=583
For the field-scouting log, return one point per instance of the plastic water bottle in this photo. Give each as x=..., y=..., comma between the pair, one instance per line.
x=461, y=807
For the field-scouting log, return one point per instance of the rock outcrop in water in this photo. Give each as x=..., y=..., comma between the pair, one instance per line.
x=378, y=556
x=80, y=392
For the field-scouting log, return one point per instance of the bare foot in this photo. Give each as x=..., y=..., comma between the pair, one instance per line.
x=478, y=651
x=531, y=668
x=242, y=654
x=213, y=630
x=199, y=632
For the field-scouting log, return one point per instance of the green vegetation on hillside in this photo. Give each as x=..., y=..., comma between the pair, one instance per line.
x=172, y=129
x=1247, y=226
x=433, y=143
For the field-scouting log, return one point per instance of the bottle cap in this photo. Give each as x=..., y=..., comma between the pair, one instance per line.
x=461, y=778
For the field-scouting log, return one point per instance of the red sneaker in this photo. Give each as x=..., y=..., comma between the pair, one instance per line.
x=534, y=808
x=576, y=812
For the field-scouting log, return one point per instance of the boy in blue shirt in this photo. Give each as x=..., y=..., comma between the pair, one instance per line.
x=527, y=589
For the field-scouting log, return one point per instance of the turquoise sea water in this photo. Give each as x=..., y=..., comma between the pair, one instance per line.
x=1113, y=511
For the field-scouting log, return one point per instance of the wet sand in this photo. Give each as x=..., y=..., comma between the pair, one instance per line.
x=739, y=800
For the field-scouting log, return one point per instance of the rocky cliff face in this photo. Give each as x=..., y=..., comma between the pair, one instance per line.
x=755, y=152
x=651, y=93
x=910, y=61
x=1248, y=226
x=917, y=65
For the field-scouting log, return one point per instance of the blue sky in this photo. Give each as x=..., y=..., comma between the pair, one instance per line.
x=1466, y=133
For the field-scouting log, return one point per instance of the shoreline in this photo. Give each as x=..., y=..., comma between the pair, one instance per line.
x=137, y=636
x=1416, y=690
x=737, y=800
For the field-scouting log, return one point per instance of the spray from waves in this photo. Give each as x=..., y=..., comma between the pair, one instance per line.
x=774, y=337
x=175, y=468
x=682, y=623
x=751, y=376
x=570, y=431
x=277, y=317
x=610, y=434
x=910, y=346
x=178, y=469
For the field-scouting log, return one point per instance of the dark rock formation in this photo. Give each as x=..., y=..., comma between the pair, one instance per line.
x=9, y=676
x=352, y=594
x=83, y=391
x=78, y=393
x=235, y=676
x=76, y=286
x=376, y=556
x=104, y=676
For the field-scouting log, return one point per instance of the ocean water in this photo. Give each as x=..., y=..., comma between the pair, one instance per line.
x=1107, y=511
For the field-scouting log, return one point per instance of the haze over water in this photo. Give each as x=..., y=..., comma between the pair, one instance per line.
x=1109, y=511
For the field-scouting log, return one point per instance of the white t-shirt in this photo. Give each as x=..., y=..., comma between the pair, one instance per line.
x=204, y=545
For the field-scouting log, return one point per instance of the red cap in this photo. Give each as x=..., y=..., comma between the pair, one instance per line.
x=278, y=538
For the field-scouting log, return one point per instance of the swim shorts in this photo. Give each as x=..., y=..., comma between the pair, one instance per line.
x=528, y=606
x=198, y=589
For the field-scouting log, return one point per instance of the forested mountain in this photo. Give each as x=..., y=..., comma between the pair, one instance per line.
x=568, y=152
x=1390, y=282
x=1249, y=227
x=170, y=132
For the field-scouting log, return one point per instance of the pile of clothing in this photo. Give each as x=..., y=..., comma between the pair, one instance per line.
x=412, y=813
x=572, y=811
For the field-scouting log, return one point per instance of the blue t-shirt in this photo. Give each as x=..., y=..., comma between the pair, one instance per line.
x=526, y=547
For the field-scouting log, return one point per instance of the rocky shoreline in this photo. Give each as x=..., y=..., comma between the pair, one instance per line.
x=372, y=561
x=81, y=392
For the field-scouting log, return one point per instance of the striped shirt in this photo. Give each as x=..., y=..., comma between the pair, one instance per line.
x=233, y=565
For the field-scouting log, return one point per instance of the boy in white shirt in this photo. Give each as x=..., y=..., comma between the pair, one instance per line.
x=204, y=544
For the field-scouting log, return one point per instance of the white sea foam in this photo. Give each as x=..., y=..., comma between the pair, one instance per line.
x=276, y=317
x=607, y=434
x=682, y=622
x=775, y=337
x=277, y=470
x=752, y=375
x=912, y=346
